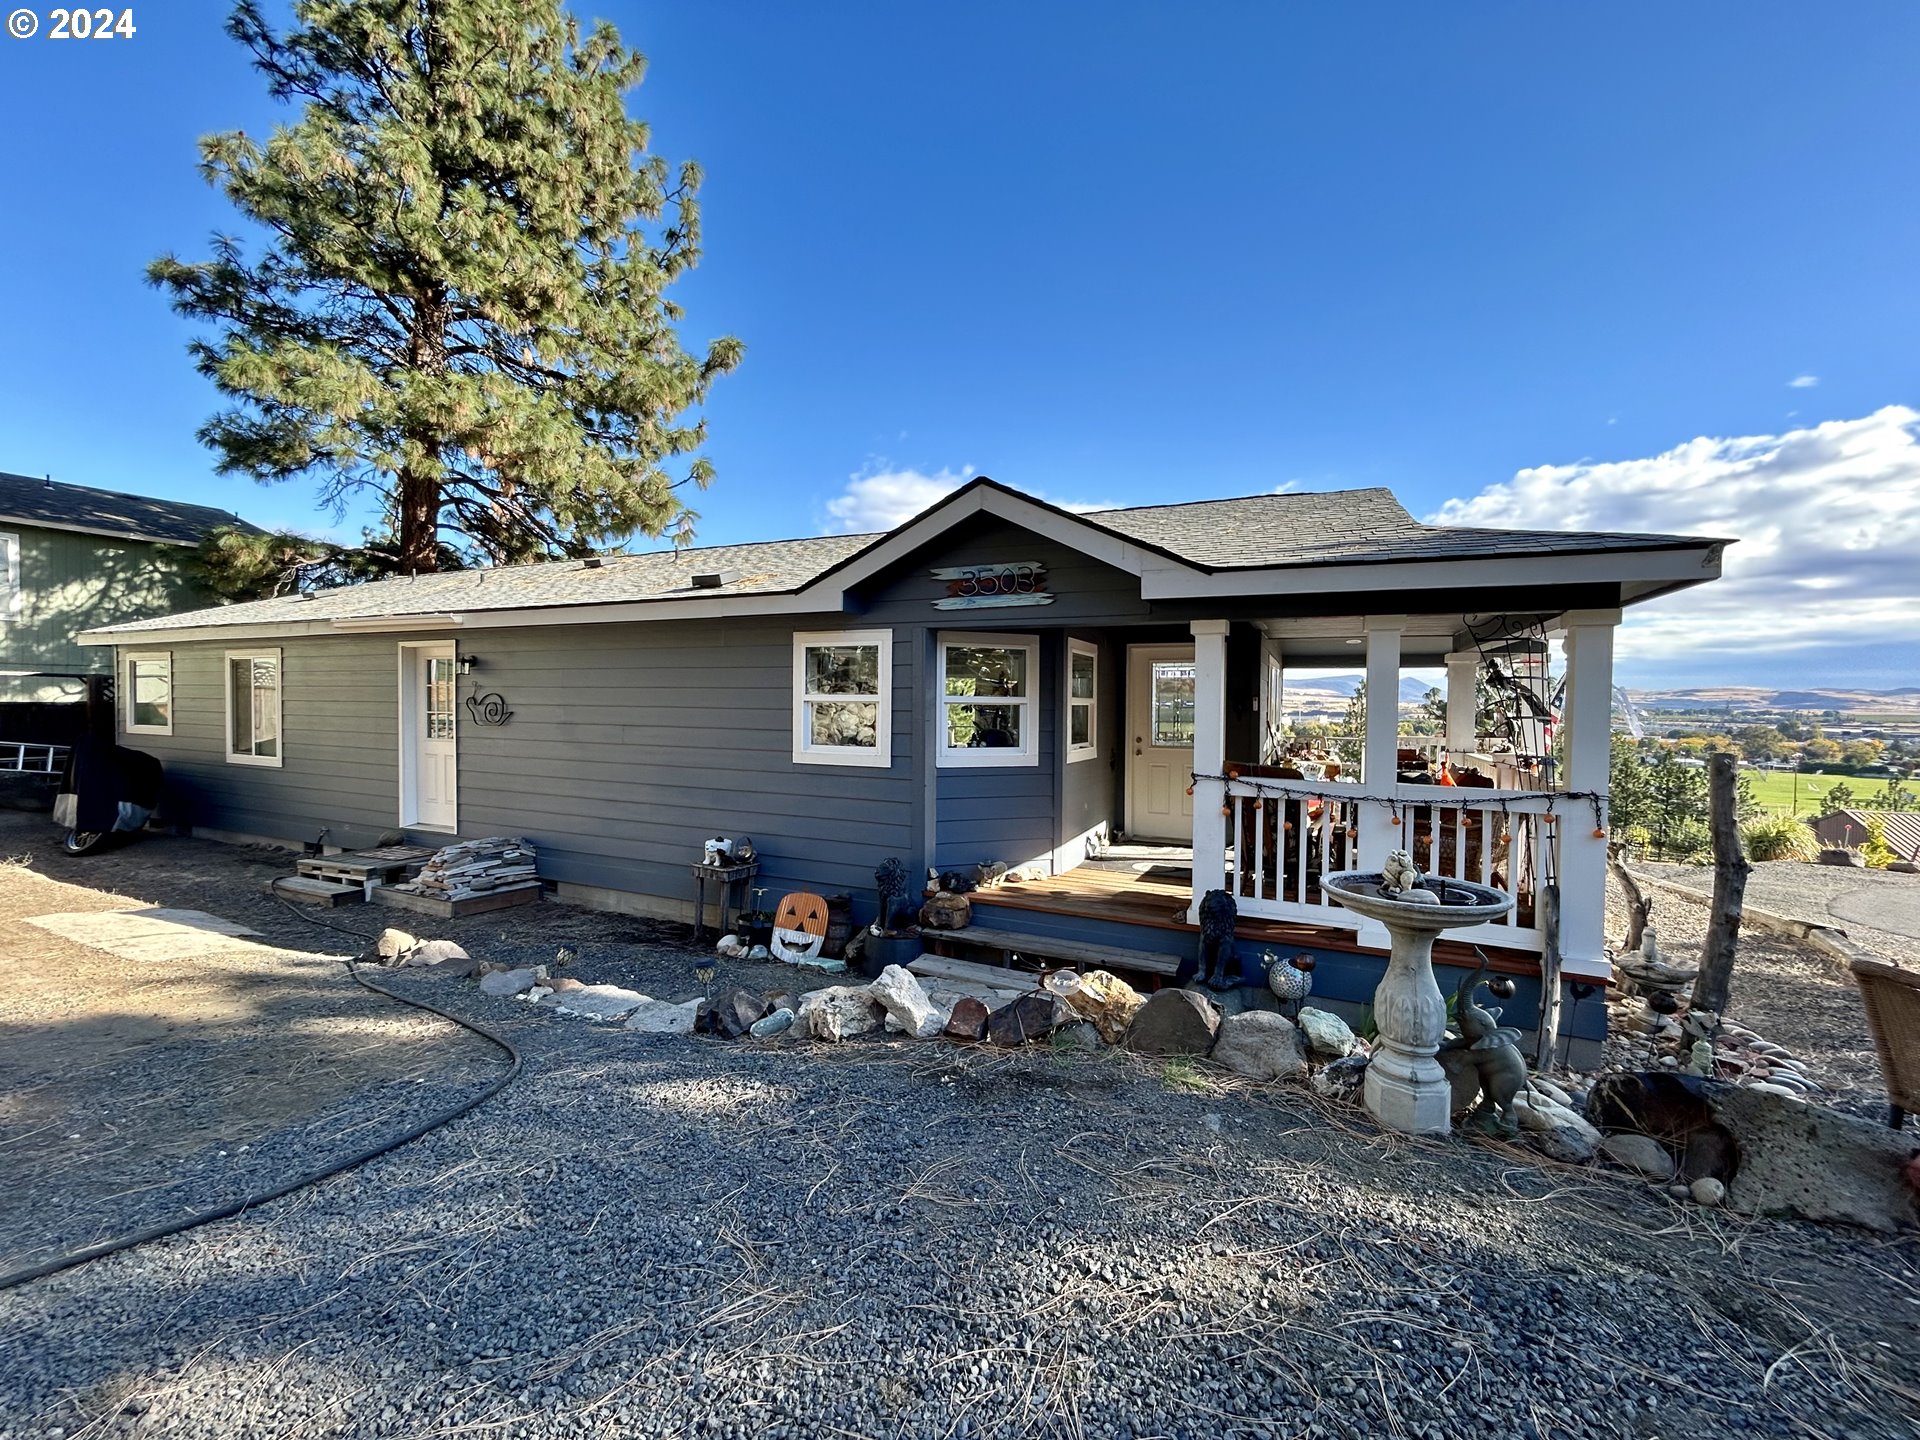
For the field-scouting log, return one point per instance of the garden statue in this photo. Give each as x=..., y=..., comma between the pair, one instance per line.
x=1290, y=980
x=890, y=879
x=1400, y=880
x=1492, y=1049
x=1218, y=915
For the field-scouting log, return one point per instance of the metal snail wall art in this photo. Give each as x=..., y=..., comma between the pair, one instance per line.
x=489, y=709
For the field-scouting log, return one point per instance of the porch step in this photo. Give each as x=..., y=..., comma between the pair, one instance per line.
x=1076, y=952
x=984, y=982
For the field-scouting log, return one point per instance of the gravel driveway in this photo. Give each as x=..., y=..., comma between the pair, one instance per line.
x=680, y=1236
x=1879, y=909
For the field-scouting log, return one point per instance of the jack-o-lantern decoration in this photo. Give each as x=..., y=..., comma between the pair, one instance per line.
x=799, y=927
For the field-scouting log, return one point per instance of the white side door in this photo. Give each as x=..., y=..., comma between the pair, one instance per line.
x=429, y=765
x=1160, y=743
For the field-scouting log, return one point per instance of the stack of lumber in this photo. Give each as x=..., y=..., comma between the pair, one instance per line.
x=475, y=867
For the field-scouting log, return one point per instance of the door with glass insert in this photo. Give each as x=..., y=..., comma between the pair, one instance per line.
x=1160, y=743
x=429, y=768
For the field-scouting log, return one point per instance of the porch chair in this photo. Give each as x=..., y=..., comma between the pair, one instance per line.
x=1892, y=999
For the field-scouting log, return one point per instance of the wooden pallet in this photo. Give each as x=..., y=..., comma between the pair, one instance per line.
x=309, y=891
x=355, y=867
x=1046, y=947
x=445, y=909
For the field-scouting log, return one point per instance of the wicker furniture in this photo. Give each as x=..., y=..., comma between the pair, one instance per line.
x=1892, y=998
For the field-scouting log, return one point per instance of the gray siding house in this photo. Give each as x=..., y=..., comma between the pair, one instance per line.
x=996, y=679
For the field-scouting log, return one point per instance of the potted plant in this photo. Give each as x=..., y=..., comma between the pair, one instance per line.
x=893, y=938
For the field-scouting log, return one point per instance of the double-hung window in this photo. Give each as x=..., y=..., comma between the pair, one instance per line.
x=148, y=685
x=842, y=698
x=1083, y=700
x=987, y=684
x=253, y=707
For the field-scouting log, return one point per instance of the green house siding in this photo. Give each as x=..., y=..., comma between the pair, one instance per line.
x=71, y=582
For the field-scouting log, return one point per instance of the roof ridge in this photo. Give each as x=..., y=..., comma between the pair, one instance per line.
x=1235, y=499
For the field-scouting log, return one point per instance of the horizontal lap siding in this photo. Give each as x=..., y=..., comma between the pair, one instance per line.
x=339, y=699
x=629, y=745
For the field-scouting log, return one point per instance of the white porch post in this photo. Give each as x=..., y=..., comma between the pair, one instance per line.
x=1588, y=728
x=1209, y=758
x=1463, y=677
x=1380, y=768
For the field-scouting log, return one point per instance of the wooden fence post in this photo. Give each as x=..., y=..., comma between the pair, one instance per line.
x=1730, y=869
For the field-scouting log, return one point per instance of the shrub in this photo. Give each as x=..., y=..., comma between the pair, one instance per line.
x=1780, y=838
x=1877, y=852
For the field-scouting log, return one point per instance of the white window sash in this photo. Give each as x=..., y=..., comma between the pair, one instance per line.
x=9, y=577
x=880, y=754
x=1090, y=750
x=261, y=703
x=1028, y=751
x=132, y=691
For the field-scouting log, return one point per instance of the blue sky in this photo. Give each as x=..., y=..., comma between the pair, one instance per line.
x=1534, y=260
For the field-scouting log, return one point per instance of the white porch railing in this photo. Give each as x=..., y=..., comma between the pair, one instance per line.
x=1285, y=834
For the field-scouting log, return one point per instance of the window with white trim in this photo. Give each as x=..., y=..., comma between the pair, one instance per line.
x=842, y=684
x=148, y=687
x=1083, y=700
x=9, y=578
x=253, y=707
x=986, y=689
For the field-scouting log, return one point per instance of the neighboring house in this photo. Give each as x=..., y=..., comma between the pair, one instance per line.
x=1847, y=829
x=74, y=558
x=996, y=679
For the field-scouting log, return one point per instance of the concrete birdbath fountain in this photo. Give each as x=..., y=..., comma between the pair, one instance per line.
x=1405, y=1087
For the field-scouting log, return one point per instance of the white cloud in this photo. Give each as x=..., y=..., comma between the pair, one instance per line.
x=1828, y=520
x=879, y=499
x=1803, y=382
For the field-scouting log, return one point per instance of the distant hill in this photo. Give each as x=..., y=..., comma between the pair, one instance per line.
x=1332, y=692
x=1904, y=700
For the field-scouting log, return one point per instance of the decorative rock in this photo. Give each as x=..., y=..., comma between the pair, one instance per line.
x=759, y=952
x=1555, y=1130
x=839, y=1011
x=565, y=982
x=767, y=1025
x=947, y=912
x=968, y=1020
x=1034, y=1016
x=1079, y=1036
x=659, y=1017
x=1260, y=1045
x=899, y=993
x=1342, y=1079
x=1707, y=1191
x=394, y=944
x=1642, y=1154
x=1327, y=1034
x=816, y=962
x=600, y=1002
x=731, y=947
x=1108, y=1001
x=1174, y=1022
x=432, y=952
x=512, y=982
x=736, y=1011
x=1818, y=1164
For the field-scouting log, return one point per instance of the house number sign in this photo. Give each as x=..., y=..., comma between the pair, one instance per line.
x=994, y=586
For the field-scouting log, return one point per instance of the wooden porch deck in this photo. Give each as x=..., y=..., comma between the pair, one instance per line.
x=1157, y=899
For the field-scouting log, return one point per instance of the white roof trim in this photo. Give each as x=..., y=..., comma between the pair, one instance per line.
x=1666, y=566
x=65, y=528
x=1085, y=536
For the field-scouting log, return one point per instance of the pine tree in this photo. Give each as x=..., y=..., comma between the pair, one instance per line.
x=460, y=304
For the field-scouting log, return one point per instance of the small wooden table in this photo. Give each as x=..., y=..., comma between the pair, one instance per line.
x=728, y=876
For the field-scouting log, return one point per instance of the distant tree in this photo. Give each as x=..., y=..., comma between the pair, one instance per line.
x=461, y=303
x=1862, y=752
x=1760, y=742
x=1820, y=750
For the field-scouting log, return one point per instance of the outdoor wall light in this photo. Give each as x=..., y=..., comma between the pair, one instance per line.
x=468, y=664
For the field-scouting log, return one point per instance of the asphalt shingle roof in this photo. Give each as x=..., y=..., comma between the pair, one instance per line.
x=55, y=505
x=1262, y=531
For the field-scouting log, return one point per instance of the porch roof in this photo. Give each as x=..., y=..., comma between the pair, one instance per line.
x=1177, y=546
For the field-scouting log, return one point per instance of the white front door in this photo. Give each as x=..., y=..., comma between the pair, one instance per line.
x=428, y=767
x=1160, y=743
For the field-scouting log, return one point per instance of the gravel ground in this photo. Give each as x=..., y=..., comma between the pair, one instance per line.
x=1879, y=909
x=680, y=1236
x=1784, y=990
